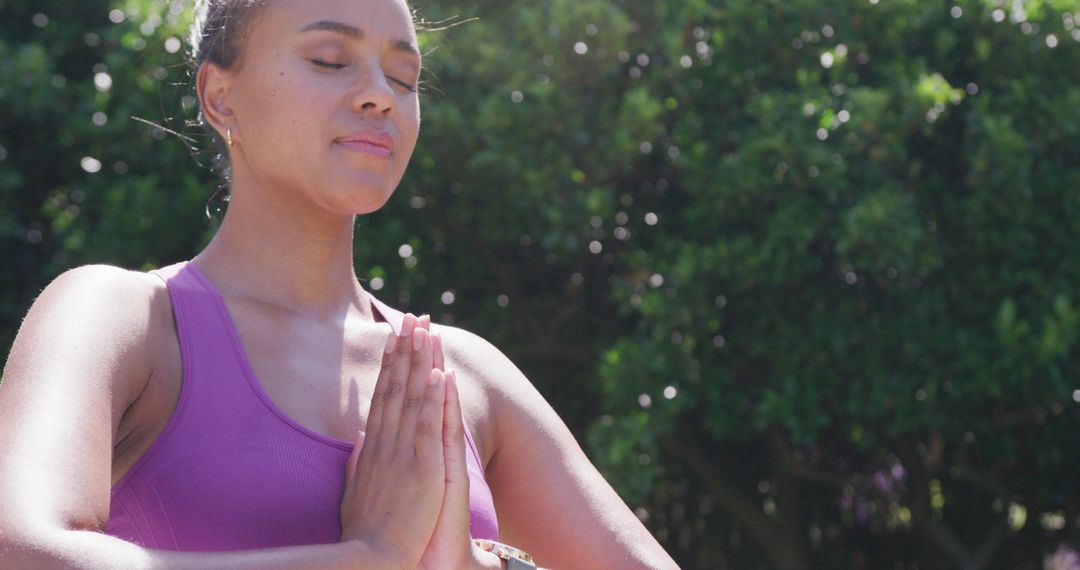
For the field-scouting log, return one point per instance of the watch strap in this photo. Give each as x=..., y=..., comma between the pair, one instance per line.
x=515, y=558
x=519, y=564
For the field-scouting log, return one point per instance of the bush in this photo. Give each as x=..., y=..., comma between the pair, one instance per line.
x=816, y=261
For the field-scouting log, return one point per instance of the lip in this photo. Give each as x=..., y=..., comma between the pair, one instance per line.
x=369, y=141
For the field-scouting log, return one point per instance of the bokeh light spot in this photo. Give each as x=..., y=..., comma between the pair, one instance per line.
x=103, y=81
x=90, y=164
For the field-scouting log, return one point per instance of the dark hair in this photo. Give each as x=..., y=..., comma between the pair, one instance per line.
x=218, y=30
x=217, y=36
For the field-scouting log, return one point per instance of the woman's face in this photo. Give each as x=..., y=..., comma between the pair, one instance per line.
x=325, y=101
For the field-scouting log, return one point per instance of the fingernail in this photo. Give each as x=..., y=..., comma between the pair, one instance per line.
x=417, y=341
x=391, y=343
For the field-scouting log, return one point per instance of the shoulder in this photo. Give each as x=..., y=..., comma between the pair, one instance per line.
x=495, y=373
x=98, y=313
x=107, y=284
x=477, y=364
x=123, y=304
x=470, y=349
x=517, y=411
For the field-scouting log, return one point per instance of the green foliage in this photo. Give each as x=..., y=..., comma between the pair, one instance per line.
x=82, y=179
x=862, y=263
x=816, y=260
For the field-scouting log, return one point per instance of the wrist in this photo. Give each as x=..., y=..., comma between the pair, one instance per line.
x=370, y=555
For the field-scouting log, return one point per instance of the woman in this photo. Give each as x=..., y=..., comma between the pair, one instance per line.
x=255, y=407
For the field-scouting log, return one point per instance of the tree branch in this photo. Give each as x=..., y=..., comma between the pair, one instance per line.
x=833, y=479
x=783, y=466
x=768, y=532
x=748, y=513
x=938, y=533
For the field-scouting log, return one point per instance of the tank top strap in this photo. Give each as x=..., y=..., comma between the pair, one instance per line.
x=392, y=316
x=212, y=369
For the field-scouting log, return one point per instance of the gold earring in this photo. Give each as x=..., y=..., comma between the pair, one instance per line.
x=228, y=136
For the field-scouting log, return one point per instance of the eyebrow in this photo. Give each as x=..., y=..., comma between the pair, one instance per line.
x=356, y=33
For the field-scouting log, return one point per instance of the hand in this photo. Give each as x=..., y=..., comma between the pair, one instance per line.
x=395, y=477
x=451, y=545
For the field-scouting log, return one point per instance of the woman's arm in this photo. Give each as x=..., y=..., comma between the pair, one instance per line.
x=82, y=356
x=551, y=500
x=85, y=550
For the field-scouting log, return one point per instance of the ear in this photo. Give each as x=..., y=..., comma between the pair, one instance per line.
x=212, y=85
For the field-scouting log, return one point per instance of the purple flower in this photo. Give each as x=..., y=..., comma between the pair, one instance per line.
x=1064, y=558
x=897, y=472
x=882, y=483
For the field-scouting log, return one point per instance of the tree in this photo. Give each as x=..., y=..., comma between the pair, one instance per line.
x=802, y=274
x=862, y=298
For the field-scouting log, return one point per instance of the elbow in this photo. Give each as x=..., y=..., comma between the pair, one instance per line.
x=26, y=548
x=32, y=547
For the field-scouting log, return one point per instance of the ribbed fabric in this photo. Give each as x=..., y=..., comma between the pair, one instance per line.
x=231, y=471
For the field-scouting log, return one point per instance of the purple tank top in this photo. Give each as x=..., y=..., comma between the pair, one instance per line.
x=231, y=471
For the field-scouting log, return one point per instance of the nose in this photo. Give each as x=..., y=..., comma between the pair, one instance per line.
x=372, y=93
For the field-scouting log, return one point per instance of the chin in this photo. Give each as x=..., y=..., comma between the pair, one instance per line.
x=364, y=201
x=368, y=208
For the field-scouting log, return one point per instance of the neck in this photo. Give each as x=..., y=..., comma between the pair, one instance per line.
x=270, y=250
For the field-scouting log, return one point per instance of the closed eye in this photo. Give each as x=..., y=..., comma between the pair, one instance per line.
x=337, y=66
x=325, y=65
x=402, y=83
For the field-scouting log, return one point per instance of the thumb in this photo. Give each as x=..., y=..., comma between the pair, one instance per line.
x=350, y=464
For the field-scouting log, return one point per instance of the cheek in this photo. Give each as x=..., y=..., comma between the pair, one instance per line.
x=289, y=129
x=279, y=100
x=410, y=123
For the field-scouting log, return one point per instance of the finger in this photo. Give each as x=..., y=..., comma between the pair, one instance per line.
x=428, y=424
x=454, y=436
x=438, y=360
x=436, y=343
x=378, y=395
x=394, y=395
x=409, y=323
x=414, y=390
x=456, y=497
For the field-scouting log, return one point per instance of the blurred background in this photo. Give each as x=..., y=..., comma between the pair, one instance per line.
x=802, y=275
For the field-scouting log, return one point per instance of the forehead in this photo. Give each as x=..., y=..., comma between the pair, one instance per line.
x=375, y=17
